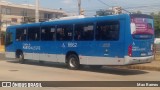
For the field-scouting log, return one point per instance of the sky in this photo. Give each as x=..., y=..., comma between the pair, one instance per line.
x=91, y=6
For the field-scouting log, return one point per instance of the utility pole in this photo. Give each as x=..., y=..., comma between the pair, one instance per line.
x=37, y=11
x=0, y=27
x=79, y=7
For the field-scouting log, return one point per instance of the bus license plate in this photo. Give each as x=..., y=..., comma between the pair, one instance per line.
x=143, y=54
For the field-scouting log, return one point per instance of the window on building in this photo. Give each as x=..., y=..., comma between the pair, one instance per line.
x=107, y=30
x=48, y=16
x=64, y=32
x=48, y=33
x=84, y=32
x=21, y=34
x=34, y=34
x=24, y=12
x=6, y=11
x=3, y=11
x=14, y=20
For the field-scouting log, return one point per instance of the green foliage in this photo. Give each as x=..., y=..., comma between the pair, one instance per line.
x=156, y=24
x=137, y=12
x=102, y=12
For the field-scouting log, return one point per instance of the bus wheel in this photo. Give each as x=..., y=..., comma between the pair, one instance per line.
x=21, y=58
x=95, y=66
x=73, y=62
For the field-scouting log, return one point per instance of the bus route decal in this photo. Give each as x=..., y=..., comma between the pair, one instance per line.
x=30, y=47
x=138, y=49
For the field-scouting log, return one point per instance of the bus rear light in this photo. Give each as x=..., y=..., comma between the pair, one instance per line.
x=130, y=50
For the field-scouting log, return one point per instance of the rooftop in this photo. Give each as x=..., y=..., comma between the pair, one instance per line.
x=28, y=6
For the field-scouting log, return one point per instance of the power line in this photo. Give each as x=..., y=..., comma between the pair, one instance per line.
x=112, y=6
x=124, y=9
x=104, y=3
x=153, y=6
x=141, y=6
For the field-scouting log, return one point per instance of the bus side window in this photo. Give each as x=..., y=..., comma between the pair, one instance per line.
x=107, y=31
x=21, y=34
x=52, y=34
x=48, y=33
x=78, y=32
x=84, y=32
x=43, y=34
x=34, y=34
x=65, y=32
x=60, y=34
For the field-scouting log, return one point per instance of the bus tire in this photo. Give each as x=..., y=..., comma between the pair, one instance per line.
x=21, y=58
x=73, y=62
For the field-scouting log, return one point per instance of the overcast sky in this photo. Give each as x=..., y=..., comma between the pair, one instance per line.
x=91, y=6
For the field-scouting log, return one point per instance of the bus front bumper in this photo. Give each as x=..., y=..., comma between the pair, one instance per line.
x=138, y=60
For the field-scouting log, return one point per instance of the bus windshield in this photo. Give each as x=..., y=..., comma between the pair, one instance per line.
x=142, y=27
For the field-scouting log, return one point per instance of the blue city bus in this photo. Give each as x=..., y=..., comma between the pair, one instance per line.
x=123, y=39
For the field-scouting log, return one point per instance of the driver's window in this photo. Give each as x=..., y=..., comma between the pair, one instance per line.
x=9, y=38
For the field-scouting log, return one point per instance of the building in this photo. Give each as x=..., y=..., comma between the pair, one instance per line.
x=13, y=14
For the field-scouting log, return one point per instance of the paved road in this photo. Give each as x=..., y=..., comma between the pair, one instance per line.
x=33, y=71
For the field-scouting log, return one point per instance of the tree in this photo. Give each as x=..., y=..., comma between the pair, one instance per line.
x=159, y=13
x=156, y=24
x=102, y=12
x=152, y=14
x=137, y=12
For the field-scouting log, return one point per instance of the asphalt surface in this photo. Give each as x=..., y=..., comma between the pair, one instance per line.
x=33, y=71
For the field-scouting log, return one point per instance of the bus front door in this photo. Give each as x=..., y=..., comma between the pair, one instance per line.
x=9, y=44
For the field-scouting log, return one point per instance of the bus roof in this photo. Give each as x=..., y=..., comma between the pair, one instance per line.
x=79, y=20
x=141, y=16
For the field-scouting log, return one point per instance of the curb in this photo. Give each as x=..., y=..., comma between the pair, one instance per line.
x=152, y=68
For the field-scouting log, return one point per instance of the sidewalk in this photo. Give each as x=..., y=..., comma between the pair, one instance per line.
x=2, y=56
x=153, y=66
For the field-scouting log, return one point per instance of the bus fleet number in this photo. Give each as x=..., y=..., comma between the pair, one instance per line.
x=72, y=44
